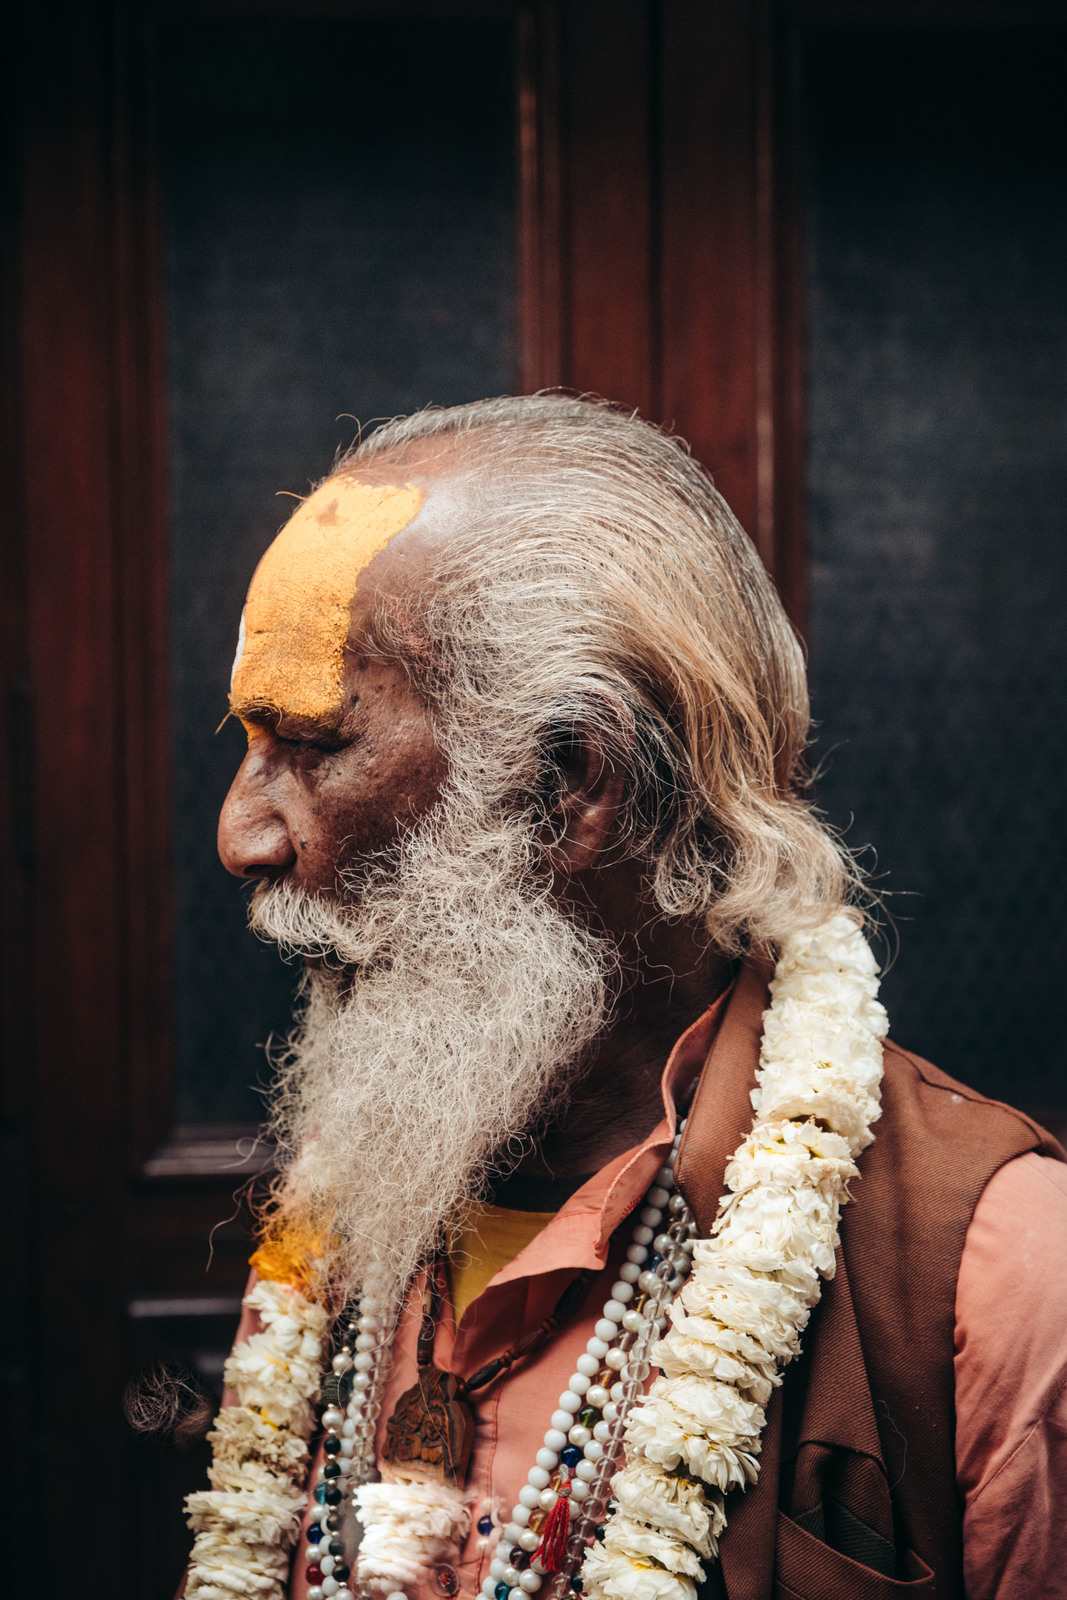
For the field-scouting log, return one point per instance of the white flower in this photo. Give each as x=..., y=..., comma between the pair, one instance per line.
x=628, y=1536
x=673, y=1437
x=617, y=1578
x=246, y=1523
x=408, y=1527
x=669, y=1502
x=739, y=1318
x=242, y=1542
x=734, y=1326
x=715, y=1409
x=679, y=1357
x=241, y=1438
x=265, y=1515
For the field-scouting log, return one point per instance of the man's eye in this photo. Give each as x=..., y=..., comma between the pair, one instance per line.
x=309, y=752
x=320, y=742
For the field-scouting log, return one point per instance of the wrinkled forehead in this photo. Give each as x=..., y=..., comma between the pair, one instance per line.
x=294, y=627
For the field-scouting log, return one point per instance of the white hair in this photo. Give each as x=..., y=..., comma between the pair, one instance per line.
x=601, y=584
x=455, y=1003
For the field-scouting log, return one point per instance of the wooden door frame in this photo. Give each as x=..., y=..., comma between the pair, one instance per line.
x=619, y=284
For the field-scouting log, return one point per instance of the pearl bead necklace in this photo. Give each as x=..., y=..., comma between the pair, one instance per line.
x=581, y=1447
x=359, y=1367
x=584, y=1440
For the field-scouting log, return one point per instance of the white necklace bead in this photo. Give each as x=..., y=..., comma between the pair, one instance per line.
x=620, y=1326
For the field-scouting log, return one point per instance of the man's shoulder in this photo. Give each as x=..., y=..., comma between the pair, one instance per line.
x=937, y=1145
x=923, y=1104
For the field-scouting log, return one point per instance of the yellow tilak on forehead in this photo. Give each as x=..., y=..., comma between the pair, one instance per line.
x=295, y=624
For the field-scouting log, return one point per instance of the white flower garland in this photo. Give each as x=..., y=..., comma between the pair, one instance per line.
x=738, y=1320
x=407, y=1528
x=246, y=1523
x=736, y=1323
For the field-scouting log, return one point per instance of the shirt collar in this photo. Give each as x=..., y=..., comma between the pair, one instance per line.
x=579, y=1235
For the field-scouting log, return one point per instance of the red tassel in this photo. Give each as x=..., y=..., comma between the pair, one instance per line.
x=551, y=1550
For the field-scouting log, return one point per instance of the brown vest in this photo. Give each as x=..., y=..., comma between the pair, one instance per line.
x=857, y=1497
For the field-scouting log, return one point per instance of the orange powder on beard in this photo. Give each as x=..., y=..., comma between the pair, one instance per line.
x=296, y=617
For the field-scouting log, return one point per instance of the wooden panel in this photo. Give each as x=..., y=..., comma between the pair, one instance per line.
x=711, y=334
x=607, y=245
x=540, y=264
x=18, y=1339
x=142, y=599
x=649, y=236
x=731, y=269
x=68, y=390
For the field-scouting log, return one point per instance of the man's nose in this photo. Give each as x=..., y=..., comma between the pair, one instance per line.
x=253, y=837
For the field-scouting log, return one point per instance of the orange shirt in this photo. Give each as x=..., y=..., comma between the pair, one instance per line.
x=486, y=1245
x=1011, y=1385
x=512, y=1415
x=1010, y=1365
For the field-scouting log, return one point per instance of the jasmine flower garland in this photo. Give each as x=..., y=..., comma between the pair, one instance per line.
x=734, y=1326
x=247, y=1521
x=738, y=1320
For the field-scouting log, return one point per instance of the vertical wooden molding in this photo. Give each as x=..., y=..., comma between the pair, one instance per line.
x=67, y=376
x=729, y=300
x=709, y=243
x=143, y=599
x=540, y=247
x=765, y=278
x=788, y=329
x=608, y=200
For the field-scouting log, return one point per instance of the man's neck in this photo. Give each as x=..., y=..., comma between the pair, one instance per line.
x=671, y=978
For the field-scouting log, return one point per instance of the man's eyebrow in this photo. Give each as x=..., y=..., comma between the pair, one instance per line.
x=289, y=724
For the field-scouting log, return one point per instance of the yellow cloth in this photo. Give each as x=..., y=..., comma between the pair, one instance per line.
x=493, y=1237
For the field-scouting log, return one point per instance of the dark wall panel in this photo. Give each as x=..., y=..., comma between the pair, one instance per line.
x=937, y=260
x=338, y=207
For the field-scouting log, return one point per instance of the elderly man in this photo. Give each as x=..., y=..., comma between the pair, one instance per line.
x=589, y=1053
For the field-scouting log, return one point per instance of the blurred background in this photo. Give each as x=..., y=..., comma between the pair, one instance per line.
x=826, y=241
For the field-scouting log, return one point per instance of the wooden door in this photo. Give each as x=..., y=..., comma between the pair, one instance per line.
x=646, y=245
x=644, y=265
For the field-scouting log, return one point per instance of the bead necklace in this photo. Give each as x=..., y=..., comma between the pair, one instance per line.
x=692, y=1438
x=561, y=1506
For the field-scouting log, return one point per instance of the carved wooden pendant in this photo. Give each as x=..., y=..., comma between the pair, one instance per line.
x=431, y=1432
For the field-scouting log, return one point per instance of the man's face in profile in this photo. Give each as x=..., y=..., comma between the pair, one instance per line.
x=340, y=748
x=447, y=994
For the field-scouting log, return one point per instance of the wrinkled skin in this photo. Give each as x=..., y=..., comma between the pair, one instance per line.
x=312, y=797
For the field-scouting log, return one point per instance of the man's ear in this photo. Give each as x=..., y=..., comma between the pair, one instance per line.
x=594, y=765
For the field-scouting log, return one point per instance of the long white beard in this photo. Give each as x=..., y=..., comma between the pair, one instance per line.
x=465, y=1002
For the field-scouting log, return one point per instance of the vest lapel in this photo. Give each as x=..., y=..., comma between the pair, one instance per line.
x=721, y=1113
x=830, y=1399
x=720, y=1117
